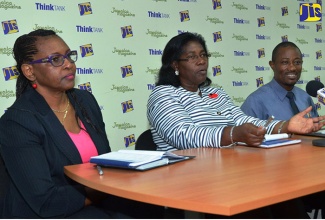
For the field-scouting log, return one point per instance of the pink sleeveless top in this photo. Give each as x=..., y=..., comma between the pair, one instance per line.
x=84, y=144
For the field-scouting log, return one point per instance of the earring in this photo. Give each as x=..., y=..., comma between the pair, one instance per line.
x=176, y=72
x=34, y=85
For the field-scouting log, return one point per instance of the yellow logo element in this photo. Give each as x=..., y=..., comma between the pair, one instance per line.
x=129, y=140
x=10, y=27
x=310, y=12
x=10, y=73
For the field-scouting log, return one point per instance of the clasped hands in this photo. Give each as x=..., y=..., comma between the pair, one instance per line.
x=253, y=135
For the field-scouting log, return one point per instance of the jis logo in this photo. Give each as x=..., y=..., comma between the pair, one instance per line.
x=259, y=82
x=260, y=53
x=129, y=140
x=216, y=4
x=126, y=71
x=10, y=27
x=85, y=86
x=284, y=11
x=127, y=106
x=284, y=38
x=185, y=16
x=126, y=31
x=318, y=55
x=261, y=22
x=10, y=73
x=319, y=27
x=85, y=9
x=217, y=36
x=86, y=50
x=310, y=12
x=216, y=70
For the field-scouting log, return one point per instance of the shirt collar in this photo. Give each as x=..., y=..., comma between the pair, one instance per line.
x=279, y=90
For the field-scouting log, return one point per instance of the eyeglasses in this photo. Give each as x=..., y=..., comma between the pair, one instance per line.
x=195, y=58
x=58, y=59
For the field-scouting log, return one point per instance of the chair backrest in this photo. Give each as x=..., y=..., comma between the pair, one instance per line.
x=145, y=141
x=4, y=183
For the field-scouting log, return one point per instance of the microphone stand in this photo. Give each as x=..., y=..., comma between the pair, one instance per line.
x=319, y=142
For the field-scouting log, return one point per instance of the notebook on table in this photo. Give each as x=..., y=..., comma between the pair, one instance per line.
x=276, y=140
x=138, y=159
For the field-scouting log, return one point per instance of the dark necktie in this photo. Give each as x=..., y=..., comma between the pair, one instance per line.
x=292, y=103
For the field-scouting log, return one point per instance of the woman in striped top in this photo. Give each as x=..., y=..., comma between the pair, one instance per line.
x=185, y=112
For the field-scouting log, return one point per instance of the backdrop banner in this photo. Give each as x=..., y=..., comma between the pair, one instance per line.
x=120, y=43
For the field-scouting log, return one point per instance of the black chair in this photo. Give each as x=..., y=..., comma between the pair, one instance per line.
x=4, y=183
x=145, y=141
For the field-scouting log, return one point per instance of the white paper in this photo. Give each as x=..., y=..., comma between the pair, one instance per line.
x=269, y=137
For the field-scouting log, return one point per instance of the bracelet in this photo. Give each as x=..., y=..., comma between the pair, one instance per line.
x=231, y=131
x=232, y=141
x=281, y=126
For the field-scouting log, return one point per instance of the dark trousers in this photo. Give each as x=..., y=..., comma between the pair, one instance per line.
x=131, y=208
x=113, y=207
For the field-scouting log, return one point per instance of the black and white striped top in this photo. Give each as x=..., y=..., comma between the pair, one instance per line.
x=181, y=119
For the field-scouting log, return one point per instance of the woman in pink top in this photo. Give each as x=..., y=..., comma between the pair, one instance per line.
x=51, y=125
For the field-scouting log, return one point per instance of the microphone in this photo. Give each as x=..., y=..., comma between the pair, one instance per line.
x=314, y=88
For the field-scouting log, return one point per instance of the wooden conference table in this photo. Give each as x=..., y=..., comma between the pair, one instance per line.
x=219, y=181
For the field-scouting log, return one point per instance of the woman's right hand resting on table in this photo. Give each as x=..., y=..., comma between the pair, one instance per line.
x=248, y=133
x=253, y=135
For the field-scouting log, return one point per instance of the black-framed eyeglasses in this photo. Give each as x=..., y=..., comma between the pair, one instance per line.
x=195, y=58
x=58, y=59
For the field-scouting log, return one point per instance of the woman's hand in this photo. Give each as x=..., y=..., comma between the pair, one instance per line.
x=249, y=134
x=300, y=125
